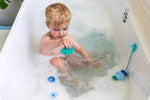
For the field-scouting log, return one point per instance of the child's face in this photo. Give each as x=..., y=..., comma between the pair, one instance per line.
x=58, y=32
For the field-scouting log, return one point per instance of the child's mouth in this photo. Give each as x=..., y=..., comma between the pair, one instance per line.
x=60, y=36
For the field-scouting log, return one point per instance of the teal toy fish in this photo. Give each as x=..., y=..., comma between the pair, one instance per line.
x=67, y=51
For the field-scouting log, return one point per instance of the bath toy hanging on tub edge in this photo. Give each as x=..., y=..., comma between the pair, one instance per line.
x=120, y=75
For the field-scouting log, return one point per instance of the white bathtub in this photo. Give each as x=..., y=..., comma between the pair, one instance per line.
x=21, y=48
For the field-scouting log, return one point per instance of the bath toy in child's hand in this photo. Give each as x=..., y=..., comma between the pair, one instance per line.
x=120, y=75
x=67, y=51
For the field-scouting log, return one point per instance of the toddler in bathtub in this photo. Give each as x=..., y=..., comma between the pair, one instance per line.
x=58, y=18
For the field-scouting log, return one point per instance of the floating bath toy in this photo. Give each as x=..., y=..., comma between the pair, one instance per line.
x=51, y=79
x=120, y=75
x=67, y=51
x=96, y=69
x=53, y=94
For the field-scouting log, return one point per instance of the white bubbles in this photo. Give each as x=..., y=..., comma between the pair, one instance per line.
x=107, y=89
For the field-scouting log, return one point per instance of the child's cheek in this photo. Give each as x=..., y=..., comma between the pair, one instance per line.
x=66, y=32
x=53, y=32
x=56, y=33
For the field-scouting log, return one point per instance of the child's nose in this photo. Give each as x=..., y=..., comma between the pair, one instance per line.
x=61, y=32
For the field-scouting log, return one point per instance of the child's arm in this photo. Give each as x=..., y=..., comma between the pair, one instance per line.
x=79, y=49
x=47, y=43
x=50, y=44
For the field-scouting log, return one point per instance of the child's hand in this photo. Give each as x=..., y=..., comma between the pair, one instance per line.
x=95, y=65
x=65, y=43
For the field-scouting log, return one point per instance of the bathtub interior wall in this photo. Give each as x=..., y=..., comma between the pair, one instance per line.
x=21, y=47
x=139, y=67
x=147, y=4
x=125, y=35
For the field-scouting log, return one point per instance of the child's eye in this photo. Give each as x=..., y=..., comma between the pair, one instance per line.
x=65, y=29
x=56, y=29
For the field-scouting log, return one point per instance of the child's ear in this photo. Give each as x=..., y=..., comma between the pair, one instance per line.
x=47, y=24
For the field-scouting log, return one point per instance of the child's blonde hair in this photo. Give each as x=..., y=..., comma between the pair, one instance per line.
x=57, y=14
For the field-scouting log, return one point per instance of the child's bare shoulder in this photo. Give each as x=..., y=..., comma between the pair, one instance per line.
x=45, y=37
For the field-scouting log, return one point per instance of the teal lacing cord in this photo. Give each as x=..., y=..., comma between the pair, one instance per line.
x=134, y=47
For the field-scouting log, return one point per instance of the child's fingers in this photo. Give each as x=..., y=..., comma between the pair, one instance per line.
x=62, y=45
x=65, y=45
x=69, y=46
